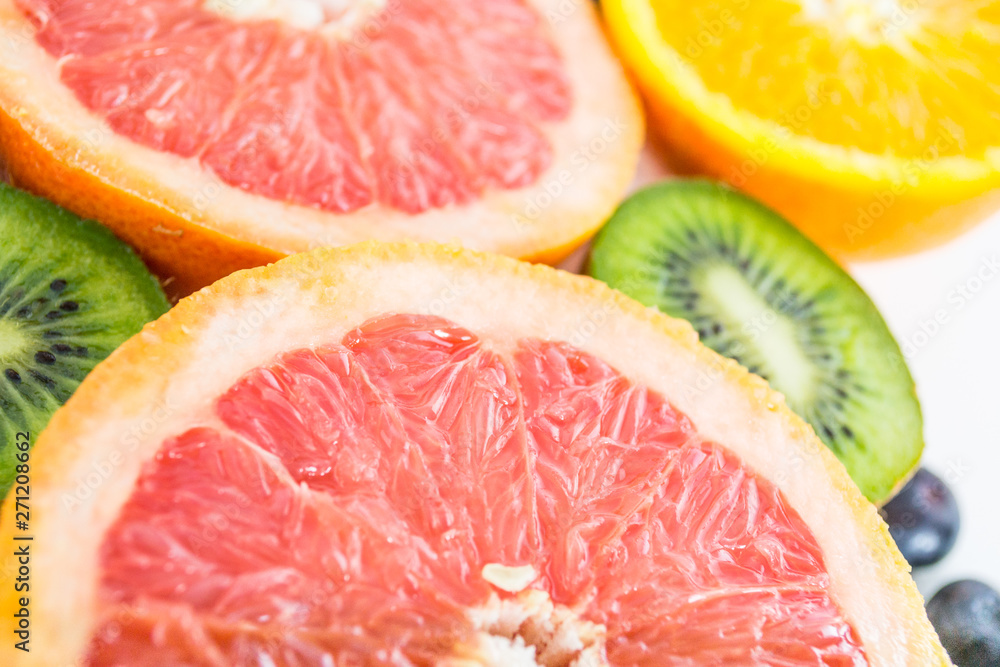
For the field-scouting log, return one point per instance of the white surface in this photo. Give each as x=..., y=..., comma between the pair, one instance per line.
x=956, y=365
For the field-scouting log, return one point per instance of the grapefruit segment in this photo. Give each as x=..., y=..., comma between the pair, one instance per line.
x=320, y=416
x=233, y=544
x=717, y=570
x=293, y=143
x=359, y=481
x=601, y=444
x=462, y=461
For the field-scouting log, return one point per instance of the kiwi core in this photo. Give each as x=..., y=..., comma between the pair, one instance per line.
x=13, y=340
x=772, y=333
x=339, y=17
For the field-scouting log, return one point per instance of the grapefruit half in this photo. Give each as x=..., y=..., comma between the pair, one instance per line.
x=387, y=454
x=215, y=135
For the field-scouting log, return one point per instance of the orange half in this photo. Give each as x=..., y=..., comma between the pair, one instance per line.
x=872, y=126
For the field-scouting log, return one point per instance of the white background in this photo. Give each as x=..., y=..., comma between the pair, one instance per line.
x=957, y=370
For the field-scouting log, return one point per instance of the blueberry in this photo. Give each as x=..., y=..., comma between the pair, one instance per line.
x=923, y=519
x=966, y=615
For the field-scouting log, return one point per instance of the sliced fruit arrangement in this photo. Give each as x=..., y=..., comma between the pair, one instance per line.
x=70, y=293
x=384, y=453
x=760, y=292
x=870, y=125
x=215, y=135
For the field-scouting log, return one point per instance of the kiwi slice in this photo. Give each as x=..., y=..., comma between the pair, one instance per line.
x=70, y=293
x=760, y=292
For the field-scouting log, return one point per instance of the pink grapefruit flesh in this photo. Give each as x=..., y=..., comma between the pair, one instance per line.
x=415, y=105
x=342, y=502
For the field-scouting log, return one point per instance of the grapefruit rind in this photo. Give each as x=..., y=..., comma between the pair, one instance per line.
x=164, y=378
x=190, y=226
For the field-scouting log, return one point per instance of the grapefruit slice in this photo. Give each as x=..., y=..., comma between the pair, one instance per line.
x=385, y=454
x=215, y=135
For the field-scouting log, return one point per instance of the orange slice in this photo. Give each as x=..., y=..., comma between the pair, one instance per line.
x=215, y=135
x=385, y=454
x=871, y=125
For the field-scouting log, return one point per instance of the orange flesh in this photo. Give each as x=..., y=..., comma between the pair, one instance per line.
x=910, y=79
x=423, y=104
x=346, y=499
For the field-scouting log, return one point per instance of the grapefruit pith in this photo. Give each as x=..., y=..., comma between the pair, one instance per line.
x=385, y=454
x=215, y=135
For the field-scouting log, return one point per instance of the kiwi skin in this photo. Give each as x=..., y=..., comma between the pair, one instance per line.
x=757, y=290
x=70, y=293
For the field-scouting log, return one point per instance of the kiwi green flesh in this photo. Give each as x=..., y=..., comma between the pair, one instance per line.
x=760, y=292
x=70, y=293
